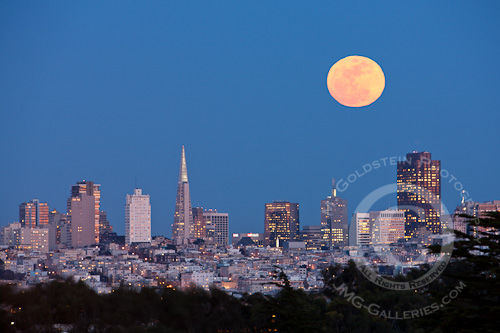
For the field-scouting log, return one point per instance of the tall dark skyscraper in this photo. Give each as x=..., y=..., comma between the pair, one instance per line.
x=334, y=222
x=281, y=223
x=419, y=194
x=182, y=229
x=34, y=214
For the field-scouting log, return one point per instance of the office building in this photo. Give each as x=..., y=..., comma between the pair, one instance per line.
x=281, y=223
x=137, y=218
x=360, y=230
x=83, y=213
x=312, y=235
x=219, y=222
x=182, y=229
x=334, y=222
x=34, y=214
x=419, y=194
x=386, y=226
x=57, y=222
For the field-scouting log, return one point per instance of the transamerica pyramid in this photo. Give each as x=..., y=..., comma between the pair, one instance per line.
x=182, y=228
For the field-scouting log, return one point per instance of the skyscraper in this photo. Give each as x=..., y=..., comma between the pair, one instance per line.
x=83, y=213
x=281, y=223
x=137, y=218
x=199, y=223
x=34, y=214
x=334, y=223
x=219, y=223
x=419, y=194
x=182, y=229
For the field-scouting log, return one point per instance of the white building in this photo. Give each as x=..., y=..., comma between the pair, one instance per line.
x=137, y=218
x=377, y=227
x=360, y=230
x=219, y=223
x=387, y=226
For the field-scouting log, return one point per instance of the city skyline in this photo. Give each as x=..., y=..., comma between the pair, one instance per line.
x=412, y=158
x=114, y=100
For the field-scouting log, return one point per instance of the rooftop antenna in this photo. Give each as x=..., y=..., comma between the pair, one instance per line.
x=135, y=181
x=463, y=197
x=334, y=188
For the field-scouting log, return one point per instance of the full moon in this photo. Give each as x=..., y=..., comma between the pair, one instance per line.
x=355, y=81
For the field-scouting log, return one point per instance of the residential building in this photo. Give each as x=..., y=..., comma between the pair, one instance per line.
x=137, y=218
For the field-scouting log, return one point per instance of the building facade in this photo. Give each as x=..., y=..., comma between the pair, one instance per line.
x=83, y=213
x=137, y=218
x=182, y=229
x=34, y=214
x=220, y=225
x=57, y=222
x=387, y=226
x=281, y=223
x=419, y=194
x=360, y=232
x=199, y=224
x=334, y=223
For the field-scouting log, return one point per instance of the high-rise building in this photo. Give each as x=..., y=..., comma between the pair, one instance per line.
x=387, y=226
x=220, y=223
x=281, y=223
x=182, y=229
x=104, y=227
x=83, y=213
x=312, y=235
x=419, y=194
x=334, y=224
x=199, y=224
x=34, y=214
x=57, y=222
x=137, y=218
x=360, y=230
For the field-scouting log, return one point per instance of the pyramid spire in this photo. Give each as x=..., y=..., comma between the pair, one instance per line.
x=183, y=173
x=183, y=217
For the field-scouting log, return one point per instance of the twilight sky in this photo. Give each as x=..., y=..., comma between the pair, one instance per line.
x=110, y=91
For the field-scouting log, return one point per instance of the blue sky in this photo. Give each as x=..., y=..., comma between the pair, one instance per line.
x=110, y=91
